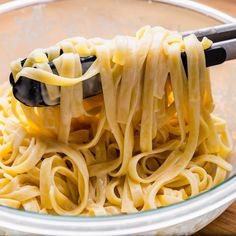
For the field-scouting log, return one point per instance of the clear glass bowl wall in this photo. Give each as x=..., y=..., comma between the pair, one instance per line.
x=43, y=25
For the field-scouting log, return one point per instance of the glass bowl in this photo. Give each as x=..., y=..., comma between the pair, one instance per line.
x=28, y=24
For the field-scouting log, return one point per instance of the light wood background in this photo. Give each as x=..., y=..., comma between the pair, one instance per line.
x=226, y=223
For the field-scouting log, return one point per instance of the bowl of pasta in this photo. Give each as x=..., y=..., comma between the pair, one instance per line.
x=153, y=153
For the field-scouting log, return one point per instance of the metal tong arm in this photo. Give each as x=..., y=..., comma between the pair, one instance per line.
x=223, y=49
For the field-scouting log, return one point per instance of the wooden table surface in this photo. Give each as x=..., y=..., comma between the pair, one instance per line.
x=226, y=223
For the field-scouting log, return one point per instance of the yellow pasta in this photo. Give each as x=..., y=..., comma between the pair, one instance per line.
x=149, y=141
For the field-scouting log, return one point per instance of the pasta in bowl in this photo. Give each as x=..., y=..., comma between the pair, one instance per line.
x=148, y=141
x=38, y=26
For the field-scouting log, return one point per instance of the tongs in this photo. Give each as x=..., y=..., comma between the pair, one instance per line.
x=32, y=93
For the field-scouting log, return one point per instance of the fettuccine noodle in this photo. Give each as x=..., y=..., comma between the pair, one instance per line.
x=148, y=141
